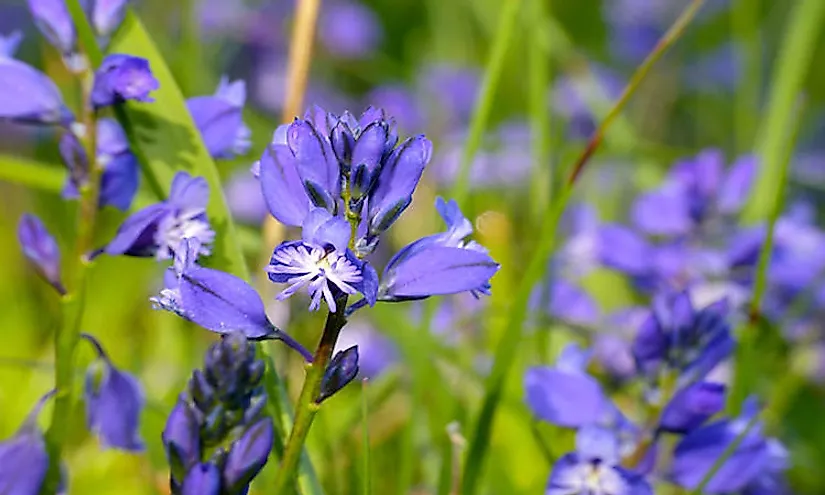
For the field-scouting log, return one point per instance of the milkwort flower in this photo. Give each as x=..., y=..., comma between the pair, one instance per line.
x=114, y=401
x=41, y=250
x=123, y=77
x=53, y=20
x=219, y=119
x=158, y=230
x=23, y=458
x=119, y=182
x=217, y=437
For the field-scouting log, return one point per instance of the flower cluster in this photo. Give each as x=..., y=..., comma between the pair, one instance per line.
x=345, y=181
x=218, y=437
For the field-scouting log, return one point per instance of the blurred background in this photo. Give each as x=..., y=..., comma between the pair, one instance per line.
x=423, y=61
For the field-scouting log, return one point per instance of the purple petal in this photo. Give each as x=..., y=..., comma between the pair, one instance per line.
x=316, y=163
x=438, y=271
x=181, y=439
x=396, y=182
x=28, y=95
x=203, y=479
x=565, y=399
x=245, y=198
x=136, y=236
x=248, y=455
x=320, y=228
x=623, y=250
x=692, y=406
x=9, y=44
x=107, y=15
x=54, y=21
x=40, y=249
x=572, y=304
x=220, y=121
x=123, y=77
x=370, y=147
x=662, y=212
x=737, y=185
x=349, y=29
x=23, y=463
x=595, y=442
x=189, y=193
x=113, y=407
x=223, y=303
x=282, y=187
x=120, y=182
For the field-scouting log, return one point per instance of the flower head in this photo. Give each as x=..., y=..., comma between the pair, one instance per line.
x=23, y=458
x=53, y=20
x=158, y=230
x=123, y=77
x=323, y=263
x=114, y=401
x=41, y=250
x=593, y=469
x=219, y=119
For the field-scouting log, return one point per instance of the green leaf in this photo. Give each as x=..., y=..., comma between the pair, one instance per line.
x=168, y=142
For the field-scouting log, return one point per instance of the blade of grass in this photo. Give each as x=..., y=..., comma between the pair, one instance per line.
x=484, y=104
x=32, y=173
x=366, y=487
x=774, y=147
x=745, y=26
x=507, y=348
x=541, y=182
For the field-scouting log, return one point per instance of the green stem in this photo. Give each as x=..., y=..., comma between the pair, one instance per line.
x=484, y=104
x=68, y=334
x=745, y=26
x=507, y=349
x=539, y=72
x=308, y=406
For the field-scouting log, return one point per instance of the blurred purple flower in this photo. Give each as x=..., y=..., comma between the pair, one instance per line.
x=691, y=406
x=452, y=91
x=582, y=97
x=123, y=77
x=322, y=262
x=159, y=229
x=106, y=16
x=594, y=468
x=114, y=401
x=9, y=44
x=121, y=170
x=220, y=121
x=40, y=248
x=29, y=96
x=23, y=458
x=245, y=199
x=566, y=302
x=349, y=29
x=439, y=264
x=53, y=20
x=397, y=100
x=376, y=352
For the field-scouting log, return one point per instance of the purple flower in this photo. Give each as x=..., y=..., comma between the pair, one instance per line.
x=248, y=456
x=323, y=263
x=697, y=452
x=594, y=468
x=181, y=439
x=123, y=77
x=9, y=44
x=159, y=229
x=106, y=16
x=439, y=264
x=692, y=406
x=121, y=170
x=114, y=401
x=678, y=336
x=53, y=20
x=41, y=250
x=203, y=479
x=349, y=29
x=452, y=90
x=582, y=97
x=281, y=184
x=567, y=302
x=23, y=458
x=565, y=395
x=341, y=370
x=245, y=199
x=29, y=96
x=220, y=121
x=623, y=249
x=399, y=102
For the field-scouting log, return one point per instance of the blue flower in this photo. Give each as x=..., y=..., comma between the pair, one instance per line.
x=691, y=406
x=121, y=170
x=323, y=263
x=53, y=20
x=220, y=121
x=341, y=370
x=203, y=479
x=41, y=250
x=439, y=264
x=181, y=439
x=114, y=401
x=681, y=338
x=248, y=456
x=281, y=185
x=123, y=77
x=159, y=229
x=29, y=96
x=593, y=469
x=23, y=458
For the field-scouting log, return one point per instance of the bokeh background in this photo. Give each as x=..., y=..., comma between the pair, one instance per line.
x=423, y=61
